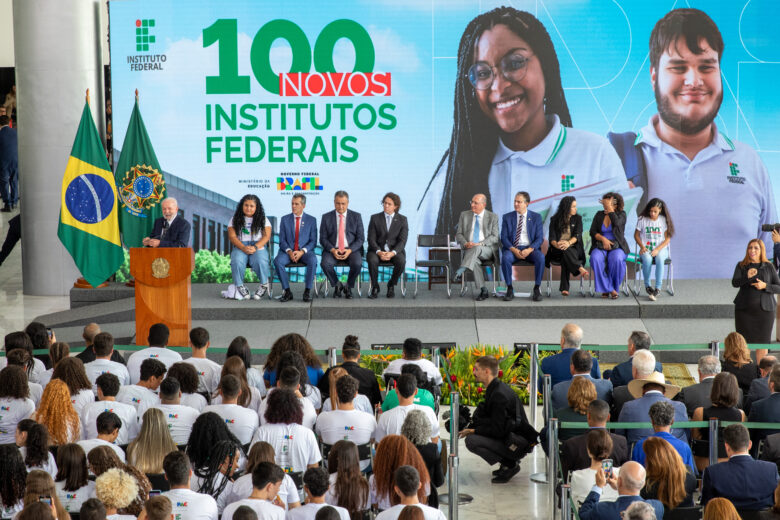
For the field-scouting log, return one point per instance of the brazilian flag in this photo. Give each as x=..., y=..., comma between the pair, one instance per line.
x=89, y=227
x=139, y=183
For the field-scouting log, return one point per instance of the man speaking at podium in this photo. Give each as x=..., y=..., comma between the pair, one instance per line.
x=170, y=230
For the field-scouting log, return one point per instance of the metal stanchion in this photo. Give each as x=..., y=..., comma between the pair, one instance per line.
x=533, y=386
x=565, y=505
x=543, y=478
x=715, y=348
x=713, y=441
x=552, y=464
x=435, y=356
x=452, y=463
x=547, y=397
x=332, y=360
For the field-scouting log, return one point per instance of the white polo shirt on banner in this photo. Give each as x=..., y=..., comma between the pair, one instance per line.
x=95, y=369
x=722, y=197
x=179, y=419
x=242, y=422
x=390, y=422
x=126, y=413
x=309, y=413
x=295, y=446
x=264, y=509
x=208, y=373
x=242, y=488
x=167, y=356
x=191, y=505
x=139, y=397
x=11, y=412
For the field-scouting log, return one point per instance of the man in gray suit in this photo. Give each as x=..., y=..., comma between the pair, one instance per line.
x=698, y=395
x=759, y=388
x=478, y=236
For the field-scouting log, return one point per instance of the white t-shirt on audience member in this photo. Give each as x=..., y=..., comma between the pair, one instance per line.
x=309, y=511
x=195, y=483
x=49, y=465
x=179, y=418
x=426, y=365
x=82, y=399
x=242, y=422
x=168, y=358
x=350, y=425
x=139, y=397
x=126, y=412
x=72, y=500
x=390, y=422
x=295, y=446
x=189, y=505
x=36, y=391
x=361, y=403
x=11, y=412
x=264, y=509
x=242, y=488
x=394, y=512
x=38, y=369
x=95, y=369
x=90, y=444
x=209, y=373
x=309, y=413
x=196, y=401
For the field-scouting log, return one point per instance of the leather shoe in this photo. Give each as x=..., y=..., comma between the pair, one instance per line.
x=483, y=295
x=537, y=297
x=287, y=295
x=306, y=295
x=337, y=290
x=505, y=475
x=374, y=292
x=391, y=291
x=347, y=293
x=497, y=472
x=6, y=209
x=510, y=294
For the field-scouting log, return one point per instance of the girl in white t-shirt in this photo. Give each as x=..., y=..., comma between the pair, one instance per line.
x=242, y=487
x=249, y=232
x=72, y=478
x=15, y=403
x=654, y=230
x=13, y=475
x=33, y=442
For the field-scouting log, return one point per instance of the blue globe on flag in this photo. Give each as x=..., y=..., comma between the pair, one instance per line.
x=89, y=198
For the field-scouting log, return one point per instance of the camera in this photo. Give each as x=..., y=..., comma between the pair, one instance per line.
x=770, y=227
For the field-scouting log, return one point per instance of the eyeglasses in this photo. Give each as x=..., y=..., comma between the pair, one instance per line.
x=512, y=67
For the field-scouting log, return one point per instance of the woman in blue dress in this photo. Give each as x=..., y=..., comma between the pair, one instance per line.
x=608, y=248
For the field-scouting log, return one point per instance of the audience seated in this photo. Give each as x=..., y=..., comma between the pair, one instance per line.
x=108, y=426
x=723, y=398
x=57, y=413
x=159, y=508
x=406, y=484
x=103, y=459
x=21, y=358
x=39, y=340
x=158, y=340
x=21, y=340
x=369, y=386
x=240, y=347
x=642, y=365
x=598, y=448
x=71, y=372
x=187, y=376
x=178, y=417
x=290, y=379
x=720, y=509
x=58, y=351
x=360, y=401
x=417, y=429
x=13, y=475
x=143, y=393
x=37, y=511
x=574, y=453
x=249, y=396
x=348, y=486
x=662, y=416
x=315, y=486
x=72, y=477
x=749, y=484
x=698, y=395
x=153, y=443
x=93, y=509
x=412, y=348
x=307, y=390
x=422, y=397
x=292, y=342
x=242, y=486
x=759, y=388
x=241, y=421
x=774, y=512
x=186, y=502
x=391, y=421
x=107, y=391
x=393, y=452
x=628, y=485
x=41, y=484
x=557, y=366
x=647, y=391
x=669, y=479
x=580, y=394
x=14, y=400
x=209, y=372
x=767, y=409
x=33, y=442
x=624, y=372
x=117, y=490
x=736, y=359
x=266, y=480
x=103, y=346
x=88, y=354
x=640, y=511
x=580, y=366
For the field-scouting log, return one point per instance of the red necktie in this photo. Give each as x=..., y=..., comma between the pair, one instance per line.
x=297, y=231
x=342, y=235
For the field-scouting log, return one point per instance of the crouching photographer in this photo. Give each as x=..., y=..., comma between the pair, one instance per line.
x=499, y=431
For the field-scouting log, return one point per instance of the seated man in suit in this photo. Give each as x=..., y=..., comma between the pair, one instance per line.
x=387, y=234
x=297, y=240
x=749, y=484
x=580, y=366
x=574, y=453
x=767, y=409
x=170, y=230
x=341, y=238
x=521, y=239
x=759, y=387
x=698, y=395
x=557, y=366
x=478, y=236
x=647, y=391
x=662, y=418
x=629, y=483
x=642, y=365
x=622, y=373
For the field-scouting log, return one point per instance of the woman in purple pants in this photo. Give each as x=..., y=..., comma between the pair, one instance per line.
x=608, y=247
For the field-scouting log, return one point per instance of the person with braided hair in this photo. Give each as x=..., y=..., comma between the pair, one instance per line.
x=512, y=128
x=214, y=478
x=13, y=478
x=33, y=442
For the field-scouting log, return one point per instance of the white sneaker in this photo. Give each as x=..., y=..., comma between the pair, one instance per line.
x=242, y=293
x=651, y=295
x=260, y=292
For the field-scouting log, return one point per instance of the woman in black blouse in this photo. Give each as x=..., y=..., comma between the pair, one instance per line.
x=754, y=305
x=566, y=242
x=736, y=360
x=417, y=429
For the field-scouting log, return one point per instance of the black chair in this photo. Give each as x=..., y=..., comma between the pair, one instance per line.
x=683, y=513
x=301, y=265
x=297, y=477
x=401, y=280
x=159, y=481
x=432, y=242
x=548, y=264
x=326, y=284
x=638, y=270
x=494, y=264
x=364, y=452
x=74, y=516
x=749, y=515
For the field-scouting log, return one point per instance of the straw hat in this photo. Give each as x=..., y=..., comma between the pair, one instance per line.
x=635, y=386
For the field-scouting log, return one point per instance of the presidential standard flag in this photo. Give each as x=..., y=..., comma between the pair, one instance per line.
x=139, y=182
x=89, y=226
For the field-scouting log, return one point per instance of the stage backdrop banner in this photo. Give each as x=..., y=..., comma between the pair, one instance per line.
x=278, y=98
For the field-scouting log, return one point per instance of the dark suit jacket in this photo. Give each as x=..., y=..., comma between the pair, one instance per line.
x=561, y=390
x=558, y=367
x=307, y=233
x=764, y=410
x=620, y=396
x=618, y=223
x=395, y=238
x=177, y=235
x=593, y=509
x=771, y=452
x=575, y=228
x=533, y=223
x=749, y=484
x=574, y=453
x=329, y=231
x=8, y=146
x=622, y=374
x=698, y=395
x=637, y=411
x=497, y=415
x=759, y=389
x=767, y=274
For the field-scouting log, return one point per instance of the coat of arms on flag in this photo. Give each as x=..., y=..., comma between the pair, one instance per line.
x=142, y=188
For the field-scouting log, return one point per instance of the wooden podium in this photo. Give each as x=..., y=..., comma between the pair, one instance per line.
x=162, y=291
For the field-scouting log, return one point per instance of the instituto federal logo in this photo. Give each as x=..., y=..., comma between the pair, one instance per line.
x=567, y=183
x=141, y=189
x=144, y=41
x=734, y=177
x=142, y=36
